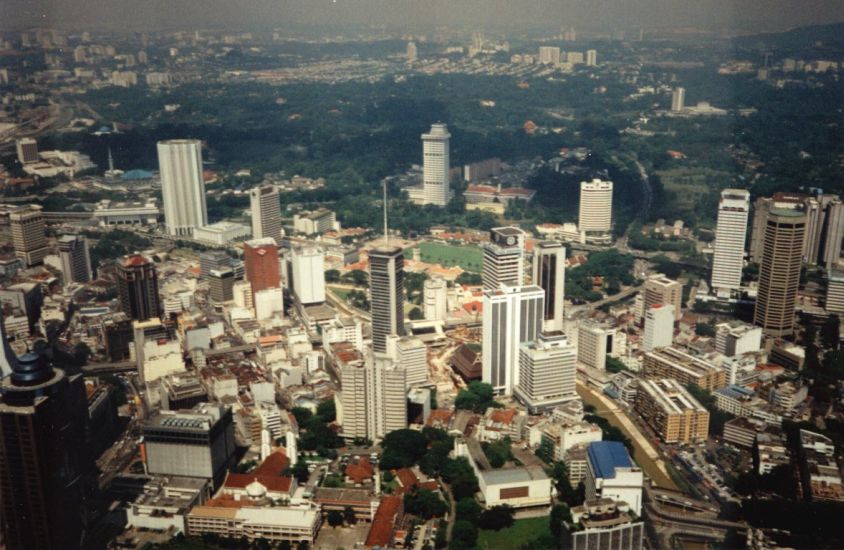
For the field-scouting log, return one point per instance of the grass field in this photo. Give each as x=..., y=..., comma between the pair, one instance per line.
x=469, y=258
x=340, y=292
x=522, y=532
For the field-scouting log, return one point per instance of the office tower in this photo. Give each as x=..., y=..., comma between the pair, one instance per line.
x=386, y=294
x=411, y=354
x=27, y=150
x=386, y=396
x=762, y=206
x=824, y=230
x=435, y=165
x=730, y=233
x=260, y=259
x=779, y=272
x=265, y=207
x=595, y=206
x=269, y=303
x=182, y=186
x=503, y=262
x=574, y=58
x=594, y=343
x=610, y=473
x=659, y=326
x=214, y=260
x=117, y=335
x=549, y=55
x=197, y=442
x=547, y=372
x=45, y=469
x=435, y=299
x=591, y=58
x=549, y=264
x=137, y=288
x=411, y=52
x=221, y=285
x=678, y=99
x=659, y=289
x=308, y=267
x=601, y=523
x=28, y=236
x=76, y=262
x=511, y=315
x=671, y=411
x=352, y=399
x=835, y=292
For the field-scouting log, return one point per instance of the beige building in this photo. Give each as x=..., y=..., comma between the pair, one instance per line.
x=28, y=236
x=660, y=290
x=273, y=523
x=672, y=411
x=595, y=206
x=686, y=369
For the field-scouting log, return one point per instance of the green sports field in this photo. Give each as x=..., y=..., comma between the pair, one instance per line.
x=522, y=532
x=469, y=258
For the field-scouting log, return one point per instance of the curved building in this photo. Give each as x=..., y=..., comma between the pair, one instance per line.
x=182, y=186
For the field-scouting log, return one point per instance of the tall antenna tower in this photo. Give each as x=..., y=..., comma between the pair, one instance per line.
x=110, y=161
x=386, y=234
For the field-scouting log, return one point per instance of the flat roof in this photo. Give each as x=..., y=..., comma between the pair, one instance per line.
x=606, y=456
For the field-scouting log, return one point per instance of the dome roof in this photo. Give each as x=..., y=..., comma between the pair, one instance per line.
x=256, y=489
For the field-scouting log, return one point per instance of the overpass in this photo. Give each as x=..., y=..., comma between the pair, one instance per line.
x=58, y=217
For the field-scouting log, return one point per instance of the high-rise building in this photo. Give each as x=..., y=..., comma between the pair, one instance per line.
x=678, y=99
x=182, y=186
x=594, y=343
x=549, y=265
x=435, y=299
x=603, y=524
x=824, y=230
x=215, y=260
x=221, y=285
x=28, y=235
x=779, y=272
x=595, y=206
x=659, y=327
x=730, y=233
x=45, y=468
x=76, y=261
x=591, y=58
x=386, y=396
x=137, y=288
x=549, y=55
x=386, y=294
x=308, y=270
x=511, y=316
x=612, y=474
x=835, y=292
x=435, y=165
x=503, y=262
x=671, y=411
x=260, y=259
x=27, y=149
x=352, y=399
x=411, y=354
x=547, y=372
x=265, y=207
x=659, y=289
x=734, y=338
x=762, y=206
x=411, y=51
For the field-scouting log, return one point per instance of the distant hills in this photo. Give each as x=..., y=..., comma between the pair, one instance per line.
x=831, y=36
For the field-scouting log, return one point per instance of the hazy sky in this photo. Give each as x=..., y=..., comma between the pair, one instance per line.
x=515, y=14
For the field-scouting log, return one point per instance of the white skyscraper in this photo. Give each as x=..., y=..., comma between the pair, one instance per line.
x=386, y=396
x=511, y=315
x=411, y=51
x=659, y=327
x=76, y=261
x=412, y=355
x=549, y=273
x=591, y=58
x=730, y=234
x=594, y=343
x=265, y=207
x=182, y=186
x=503, y=262
x=435, y=299
x=678, y=99
x=549, y=55
x=308, y=266
x=595, y=206
x=435, y=165
x=547, y=372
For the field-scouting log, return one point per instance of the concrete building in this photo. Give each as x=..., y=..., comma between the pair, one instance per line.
x=549, y=55
x=435, y=165
x=779, y=272
x=678, y=99
x=221, y=285
x=27, y=149
x=182, y=186
x=736, y=338
x=386, y=289
x=260, y=260
x=411, y=52
x=265, y=208
x=294, y=525
x=28, y=235
x=591, y=58
x=835, y=292
x=165, y=501
x=198, y=442
x=594, y=343
x=603, y=524
x=435, y=299
x=612, y=474
x=730, y=234
x=137, y=288
x=108, y=212
x=686, y=369
x=595, y=214
x=671, y=411
x=503, y=261
x=659, y=327
x=220, y=233
x=762, y=206
x=824, y=230
x=318, y=221
x=412, y=355
x=659, y=289
x=547, y=372
x=386, y=397
x=549, y=264
x=308, y=270
x=75, y=259
x=181, y=391
x=511, y=316
x=211, y=260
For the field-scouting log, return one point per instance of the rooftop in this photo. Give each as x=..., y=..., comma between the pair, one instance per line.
x=606, y=456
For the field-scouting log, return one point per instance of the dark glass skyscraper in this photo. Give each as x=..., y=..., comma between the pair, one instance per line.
x=386, y=289
x=137, y=287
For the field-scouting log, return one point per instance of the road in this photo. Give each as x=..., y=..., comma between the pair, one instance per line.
x=572, y=310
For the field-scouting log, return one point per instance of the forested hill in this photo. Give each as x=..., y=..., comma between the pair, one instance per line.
x=831, y=37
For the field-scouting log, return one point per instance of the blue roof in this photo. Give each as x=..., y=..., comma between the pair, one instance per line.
x=736, y=392
x=606, y=456
x=136, y=175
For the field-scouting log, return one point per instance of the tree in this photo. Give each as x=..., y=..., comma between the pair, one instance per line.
x=440, y=540
x=476, y=397
x=545, y=451
x=332, y=276
x=299, y=471
x=468, y=508
x=496, y=518
x=402, y=448
x=560, y=514
x=415, y=314
x=498, y=452
x=303, y=416
x=830, y=332
x=327, y=411
x=468, y=278
x=464, y=535
x=459, y=474
x=425, y=504
x=349, y=515
x=357, y=277
x=335, y=518
x=705, y=329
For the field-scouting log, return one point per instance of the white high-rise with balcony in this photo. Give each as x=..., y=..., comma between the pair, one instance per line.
x=265, y=208
x=435, y=164
x=182, y=186
x=730, y=235
x=595, y=206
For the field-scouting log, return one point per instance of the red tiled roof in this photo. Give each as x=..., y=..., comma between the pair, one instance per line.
x=270, y=474
x=134, y=260
x=361, y=471
x=406, y=477
x=503, y=416
x=381, y=532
